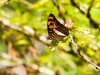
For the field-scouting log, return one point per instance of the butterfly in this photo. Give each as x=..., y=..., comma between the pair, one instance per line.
x=56, y=30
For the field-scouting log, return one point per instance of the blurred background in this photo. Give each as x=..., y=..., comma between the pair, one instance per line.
x=25, y=50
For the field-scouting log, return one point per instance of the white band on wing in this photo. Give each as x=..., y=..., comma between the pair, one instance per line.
x=58, y=32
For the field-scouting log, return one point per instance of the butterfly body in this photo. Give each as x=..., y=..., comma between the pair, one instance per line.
x=56, y=30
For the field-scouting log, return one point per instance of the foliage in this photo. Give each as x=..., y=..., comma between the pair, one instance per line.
x=23, y=31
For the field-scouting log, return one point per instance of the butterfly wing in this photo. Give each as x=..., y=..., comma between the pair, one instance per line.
x=54, y=26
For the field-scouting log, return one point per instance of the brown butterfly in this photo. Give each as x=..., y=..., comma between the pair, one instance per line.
x=56, y=30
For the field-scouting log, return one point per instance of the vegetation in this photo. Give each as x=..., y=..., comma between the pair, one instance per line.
x=25, y=50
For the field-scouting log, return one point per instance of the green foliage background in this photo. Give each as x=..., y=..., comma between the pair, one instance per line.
x=34, y=14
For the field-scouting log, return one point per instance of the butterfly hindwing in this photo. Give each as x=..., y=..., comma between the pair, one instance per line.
x=55, y=27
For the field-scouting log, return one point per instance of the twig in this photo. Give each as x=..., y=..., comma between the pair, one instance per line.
x=87, y=60
x=82, y=56
x=93, y=23
x=76, y=5
x=15, y=27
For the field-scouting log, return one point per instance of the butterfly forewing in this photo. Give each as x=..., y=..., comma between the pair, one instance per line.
x=54, y=26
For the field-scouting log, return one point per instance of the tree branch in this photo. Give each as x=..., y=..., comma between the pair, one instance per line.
x=82, y=56
x=92, y=22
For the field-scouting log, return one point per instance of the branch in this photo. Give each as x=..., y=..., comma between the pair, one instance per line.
x=92, y=22
x=76, y=5
x=28, y=34
x=87, y=60
x=82, y=56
